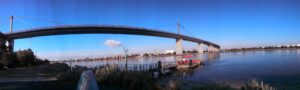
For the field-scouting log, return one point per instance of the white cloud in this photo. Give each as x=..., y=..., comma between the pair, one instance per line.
x=112, y=43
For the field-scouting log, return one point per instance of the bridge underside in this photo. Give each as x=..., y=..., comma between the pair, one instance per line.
x=97, y=29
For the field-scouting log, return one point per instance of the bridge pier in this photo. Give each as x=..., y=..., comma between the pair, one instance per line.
x=10, y=47
x=200, y=47
x=6, y=45
x=217, y=49
x=179, y=48
x=210, y=49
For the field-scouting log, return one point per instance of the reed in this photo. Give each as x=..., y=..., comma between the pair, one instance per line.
x=255, y=85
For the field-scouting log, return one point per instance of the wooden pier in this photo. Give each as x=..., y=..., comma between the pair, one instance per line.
x=147, y=67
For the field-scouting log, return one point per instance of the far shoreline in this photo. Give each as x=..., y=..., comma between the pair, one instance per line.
x=258, y=49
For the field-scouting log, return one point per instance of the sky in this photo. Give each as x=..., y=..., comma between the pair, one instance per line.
x=229, y=23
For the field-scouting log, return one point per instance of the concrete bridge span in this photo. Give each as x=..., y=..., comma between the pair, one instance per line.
x=106, y=29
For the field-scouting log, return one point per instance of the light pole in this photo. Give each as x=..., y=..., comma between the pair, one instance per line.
x=126, y=51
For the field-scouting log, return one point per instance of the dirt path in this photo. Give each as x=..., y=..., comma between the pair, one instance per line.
x=27, y=79
x=34, y=73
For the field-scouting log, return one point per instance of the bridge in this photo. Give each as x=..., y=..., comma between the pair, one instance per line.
x=103, y=29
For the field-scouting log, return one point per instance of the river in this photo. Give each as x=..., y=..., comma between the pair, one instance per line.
x=279, y=68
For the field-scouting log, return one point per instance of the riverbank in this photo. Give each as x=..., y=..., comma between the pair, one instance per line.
x=107, y=77
x=278, y=68
x=260, y=49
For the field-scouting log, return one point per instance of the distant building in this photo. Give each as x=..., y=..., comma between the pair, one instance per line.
x=298, y=45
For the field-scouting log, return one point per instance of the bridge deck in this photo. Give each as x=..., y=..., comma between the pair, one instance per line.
x=100, y=29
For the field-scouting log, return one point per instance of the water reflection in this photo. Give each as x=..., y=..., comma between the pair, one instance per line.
x=276, y=67
x=213, y=56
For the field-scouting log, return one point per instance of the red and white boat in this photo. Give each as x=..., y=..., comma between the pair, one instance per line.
x=188, y=62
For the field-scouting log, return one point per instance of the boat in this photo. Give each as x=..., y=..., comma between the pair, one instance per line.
x=188, y=62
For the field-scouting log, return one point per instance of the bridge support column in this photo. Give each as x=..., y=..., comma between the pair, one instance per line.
x=217, y=50
x=10, y=47
x=214, y=49
x=210, y=48
x=200, y=48
x=179, y=48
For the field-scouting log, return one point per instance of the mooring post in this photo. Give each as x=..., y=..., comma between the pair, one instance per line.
x=190, y=62
x=140, y=67
x=159, y=67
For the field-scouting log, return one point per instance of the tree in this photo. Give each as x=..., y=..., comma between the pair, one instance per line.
x=3, y=61
x=146, y=54
x=26, y=57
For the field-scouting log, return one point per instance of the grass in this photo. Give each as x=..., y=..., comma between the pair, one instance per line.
x=213, y=87
x=110, y=76
x=45, y=85
x=34, y=71
x=71, y=76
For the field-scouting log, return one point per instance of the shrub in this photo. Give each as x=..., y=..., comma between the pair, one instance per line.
x=40, y=62
x=71, y=76
x=172, y=85
x=56, y=67
x=213, y=87
x=25, y=57
x=110, y=76
x=9, y=60
x=20, y=58
x=104, y=72
x=255, y=85
x=1, y=66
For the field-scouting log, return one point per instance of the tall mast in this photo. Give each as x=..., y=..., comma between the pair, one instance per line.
x=11, y=23
x=178, y=27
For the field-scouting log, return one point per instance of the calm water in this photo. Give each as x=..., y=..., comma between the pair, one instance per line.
x=280, y=68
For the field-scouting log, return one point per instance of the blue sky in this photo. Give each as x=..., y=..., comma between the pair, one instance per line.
x=229, y=23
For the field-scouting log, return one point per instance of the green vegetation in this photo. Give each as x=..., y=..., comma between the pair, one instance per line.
x=56, y=68
x=262, y=48
x=213, y=87
x=109, y=77
x=19, y=59
x=70, y=76
x=48, y=71
x=2, y=66
x=255, y=85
